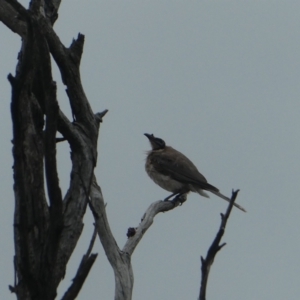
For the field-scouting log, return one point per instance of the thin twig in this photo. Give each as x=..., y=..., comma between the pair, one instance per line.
x=214, y=248
x=88, y=252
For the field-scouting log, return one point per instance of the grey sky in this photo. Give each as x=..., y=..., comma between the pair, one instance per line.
x=217, y=80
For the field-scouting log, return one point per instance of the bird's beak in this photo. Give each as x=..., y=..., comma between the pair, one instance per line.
x=149, y=136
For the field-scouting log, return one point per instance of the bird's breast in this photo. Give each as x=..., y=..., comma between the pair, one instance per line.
x=164, y=181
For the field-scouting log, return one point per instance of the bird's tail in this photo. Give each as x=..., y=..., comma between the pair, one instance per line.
x=228, y=200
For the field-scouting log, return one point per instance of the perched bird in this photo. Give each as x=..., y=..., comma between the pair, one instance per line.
x=174, y=172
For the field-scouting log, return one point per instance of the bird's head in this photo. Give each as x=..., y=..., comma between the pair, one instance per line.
x=156, y=143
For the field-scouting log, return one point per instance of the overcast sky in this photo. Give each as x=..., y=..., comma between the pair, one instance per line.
x=218, y=81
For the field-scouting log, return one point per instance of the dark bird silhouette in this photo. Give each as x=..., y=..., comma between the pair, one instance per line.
x=174, y=172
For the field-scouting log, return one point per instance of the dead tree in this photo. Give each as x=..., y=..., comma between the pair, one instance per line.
x=47, y=225
x=46, y=229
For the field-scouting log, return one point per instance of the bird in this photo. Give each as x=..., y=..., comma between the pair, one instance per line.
x=174, y=172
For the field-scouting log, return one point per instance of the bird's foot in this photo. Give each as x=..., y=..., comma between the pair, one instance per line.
x=181, y=198
x=169, y=197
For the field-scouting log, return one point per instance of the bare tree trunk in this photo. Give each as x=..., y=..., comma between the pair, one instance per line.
x=46, y=230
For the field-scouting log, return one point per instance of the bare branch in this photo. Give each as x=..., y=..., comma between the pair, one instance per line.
x=120, y=261
x=97, y=207
x=68, y=130
x=68, y=61
x=20, y=9
x=84, y=268
x=214, y=248
x=11, y=17
x=147, y=220
x=99, y=116
x=14, y=15
x=51, y=9
x=92, y=242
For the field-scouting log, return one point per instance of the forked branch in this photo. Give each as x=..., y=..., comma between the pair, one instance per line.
x=120, y=260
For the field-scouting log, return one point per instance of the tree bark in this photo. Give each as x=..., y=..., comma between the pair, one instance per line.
x=46, y=229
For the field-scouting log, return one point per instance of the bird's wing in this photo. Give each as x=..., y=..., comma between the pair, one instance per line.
x=176, y=165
